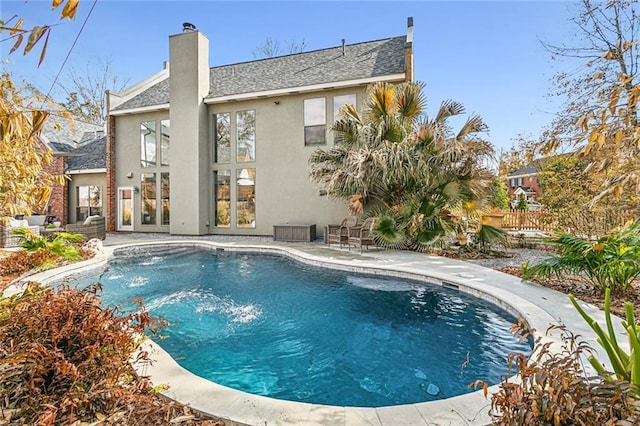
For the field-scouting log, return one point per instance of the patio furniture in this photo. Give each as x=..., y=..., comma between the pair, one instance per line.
x=339, y=233
x=92, y=227
x=361, y=235
x=294, y=232
x=7, y=239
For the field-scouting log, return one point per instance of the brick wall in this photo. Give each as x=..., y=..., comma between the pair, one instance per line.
x=57, y=204
x=111, y=201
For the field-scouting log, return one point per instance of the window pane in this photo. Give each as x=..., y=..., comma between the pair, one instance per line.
x=340, y=101
x=222, y=133
x=95, y=198
x=315, y=135
x=165, y=128
x=315, y=119
x=245, y=202
x=164, y=178
x=83, y=196
x=315, y=112
x=246, y=125
x=148, y=143
x=148, y=198
x=222, y=179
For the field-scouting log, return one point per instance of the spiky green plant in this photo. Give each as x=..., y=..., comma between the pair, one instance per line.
x=61, y=245
x=625, y=366
x=613, y=261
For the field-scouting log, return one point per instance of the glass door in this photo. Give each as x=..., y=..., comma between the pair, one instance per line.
x=125, y=209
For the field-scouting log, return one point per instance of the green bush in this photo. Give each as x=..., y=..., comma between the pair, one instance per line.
x=64, y=244
x=613, y=261
x=626, y=366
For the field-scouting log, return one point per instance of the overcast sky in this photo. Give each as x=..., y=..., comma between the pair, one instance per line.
x=485, y=54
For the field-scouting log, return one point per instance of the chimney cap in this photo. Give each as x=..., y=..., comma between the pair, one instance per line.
x=188, y=26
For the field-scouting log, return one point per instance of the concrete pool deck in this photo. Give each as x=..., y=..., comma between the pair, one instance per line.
x=539, y=305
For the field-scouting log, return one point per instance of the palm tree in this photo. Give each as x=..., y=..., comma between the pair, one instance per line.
x=407, y=169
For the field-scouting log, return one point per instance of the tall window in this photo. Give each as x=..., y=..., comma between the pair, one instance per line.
x=89, y=199
x=164, y=144
x=246, y=141
x=340, y=101
x=164, y=193
x=315, y=121
x=222, y=134
x=246, y=198
x=222, y=182
x=149, y=202
x=148, y=143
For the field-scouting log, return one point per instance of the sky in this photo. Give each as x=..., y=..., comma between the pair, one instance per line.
x=488, y=55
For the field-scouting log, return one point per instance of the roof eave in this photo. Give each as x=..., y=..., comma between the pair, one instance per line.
x=86, y=171
x=139, y=110
x=303, y=89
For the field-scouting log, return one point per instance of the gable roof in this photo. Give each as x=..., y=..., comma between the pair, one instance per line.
x=359, y=61
x=532, y=168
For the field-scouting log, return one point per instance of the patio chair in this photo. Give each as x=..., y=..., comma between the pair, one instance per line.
x=362, y=235
x=339, y=233
x=7, y=239
x=92, y=227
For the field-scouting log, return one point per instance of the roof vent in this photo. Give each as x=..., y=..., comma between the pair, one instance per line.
x=187, y=27
x=343, y=42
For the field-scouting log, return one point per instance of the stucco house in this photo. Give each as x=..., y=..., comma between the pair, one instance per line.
x=196, y=150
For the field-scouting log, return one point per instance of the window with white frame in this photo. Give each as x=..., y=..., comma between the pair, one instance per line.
x=315, y=121
x=340, y=101
x=246, y=136
x=165, y=134
x=222, y=137
x=89, y=201
x=148, y=144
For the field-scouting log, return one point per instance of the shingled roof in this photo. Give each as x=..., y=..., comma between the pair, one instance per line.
x=59, y=131
x=91, y=155
x=359, y=61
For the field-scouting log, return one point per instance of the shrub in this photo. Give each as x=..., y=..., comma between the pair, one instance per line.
x=554, y=391
x=64, y=358
x=22, y=261
x=613, y=261
x=625, y=366
x=64, y=244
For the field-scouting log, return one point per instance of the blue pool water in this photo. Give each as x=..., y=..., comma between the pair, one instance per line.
x=272, y=326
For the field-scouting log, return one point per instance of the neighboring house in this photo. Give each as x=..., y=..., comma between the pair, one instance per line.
x=79, y=153
x=525, y=181
x=199, y=150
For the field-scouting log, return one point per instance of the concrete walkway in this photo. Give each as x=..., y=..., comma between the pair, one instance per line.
x=540, y=306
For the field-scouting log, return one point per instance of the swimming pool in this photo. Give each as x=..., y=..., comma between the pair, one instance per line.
x=343, y=339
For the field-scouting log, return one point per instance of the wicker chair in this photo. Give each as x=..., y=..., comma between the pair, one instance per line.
x=339, y=233
x=7, y=239
x=362, y=235
x=94, y=229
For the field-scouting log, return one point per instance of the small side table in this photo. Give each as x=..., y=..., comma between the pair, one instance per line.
x=294, y=232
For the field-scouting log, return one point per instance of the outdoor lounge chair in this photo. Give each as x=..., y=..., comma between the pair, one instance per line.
x=361, y=235
x=7, y=239
x=339, y=233
x=92, y=227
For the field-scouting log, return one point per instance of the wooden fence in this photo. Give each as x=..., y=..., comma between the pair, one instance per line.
x=585, y=222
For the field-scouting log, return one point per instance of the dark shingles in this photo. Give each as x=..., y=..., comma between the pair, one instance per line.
x=363, y=60
x=92, y=155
